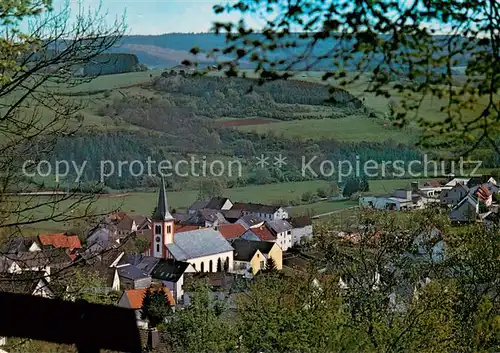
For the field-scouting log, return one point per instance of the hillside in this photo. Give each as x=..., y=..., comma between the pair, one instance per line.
x=175, y=117
x=167, y=50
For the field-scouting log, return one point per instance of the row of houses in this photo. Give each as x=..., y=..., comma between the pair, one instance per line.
x=469, y=199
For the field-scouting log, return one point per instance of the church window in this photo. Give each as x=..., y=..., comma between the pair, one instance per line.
x=157, y=247
x=169, y=229
x=157, y=229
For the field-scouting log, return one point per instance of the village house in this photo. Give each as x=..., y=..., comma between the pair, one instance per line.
x=251, y=256
x=451, y=196
x=206, y=218
x=231, y=231
x=216, y=203
x=262, y=233
x=171, y=274
x=202, y=248
x=132, y=277
x=132, y=299
x=283, y=232
x=467, y=210
x=264, y=212
x=250, y=221
x=302, y=229
x=483, y=179
x=399, y=200
x=31, y=283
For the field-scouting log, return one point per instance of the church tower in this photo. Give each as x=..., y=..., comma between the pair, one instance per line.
x=162, y=230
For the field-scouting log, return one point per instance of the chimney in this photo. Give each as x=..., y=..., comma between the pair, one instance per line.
x=414, y=186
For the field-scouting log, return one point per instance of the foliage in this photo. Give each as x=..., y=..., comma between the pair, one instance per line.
x=83, y=284
x=201, y=327
x=155, y=306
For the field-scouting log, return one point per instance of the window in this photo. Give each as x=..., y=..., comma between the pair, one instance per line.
x=158, y=239
x=157, y=229
x=210, y=269
x=157, y=247
x=202, y=267
x=169, y=229
x=289, y=232
x=194, y=265
x=262, y=264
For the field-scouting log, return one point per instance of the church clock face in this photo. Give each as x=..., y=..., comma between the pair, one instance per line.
x=158, y=239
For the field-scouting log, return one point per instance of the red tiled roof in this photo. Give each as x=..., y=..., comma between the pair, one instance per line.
x=186, y=228
x=263, y=233
x=135, y=297
x=231, y=231
x=61, y=240
x=483, y=192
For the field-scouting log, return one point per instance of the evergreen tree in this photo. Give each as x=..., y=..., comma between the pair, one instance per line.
x=219, y=265
x=271, y=265
x=226, y=265
x=155, y=306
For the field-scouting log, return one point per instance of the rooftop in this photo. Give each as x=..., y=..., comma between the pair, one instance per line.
x=169, y=270
x=135, y=297
x=231, y=231
x=197, y=243
x=255, y=207
x=60, y=240
x=244, y=250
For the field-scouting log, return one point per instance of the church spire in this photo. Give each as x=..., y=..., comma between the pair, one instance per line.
x=161, y=212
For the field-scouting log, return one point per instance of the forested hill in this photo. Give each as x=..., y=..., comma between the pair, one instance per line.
x=167, y=50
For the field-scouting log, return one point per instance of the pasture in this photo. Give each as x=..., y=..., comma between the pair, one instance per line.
x=348, y=129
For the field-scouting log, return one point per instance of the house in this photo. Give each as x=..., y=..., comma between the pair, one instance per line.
x=99, y=240
x=61, y=240
x=143, y=224
x=231, y=231
x=206, y=218
x=265, y=212
x=219, y=203
x=43, y=260
x=483, y=194
x=132, y=277
x=171, y=273
x=455, y=181
x=202, y=248
x=400, y=199
x=32, y=283
x=466, y=210
x=145, y=264
x=453, y=195
x=232, y=215
x=302, y=229
x=132, y=299
x=197, y=206
x=250, y=221
x=479, y=180
x=252, y=256
x=283, y=232
x=262, y=233
x=15, y=246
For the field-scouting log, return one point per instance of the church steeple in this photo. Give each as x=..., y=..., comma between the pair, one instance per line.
x=162, y=230
x=161, y=212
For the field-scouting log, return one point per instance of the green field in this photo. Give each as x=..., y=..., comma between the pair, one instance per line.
x=349, y=129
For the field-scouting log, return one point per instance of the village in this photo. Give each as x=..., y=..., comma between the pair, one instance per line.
x=468, y=199
x=217, y=241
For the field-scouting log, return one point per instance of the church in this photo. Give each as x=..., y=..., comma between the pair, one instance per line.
x=205, y=249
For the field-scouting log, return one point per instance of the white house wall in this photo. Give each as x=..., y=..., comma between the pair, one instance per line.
x=206, y=261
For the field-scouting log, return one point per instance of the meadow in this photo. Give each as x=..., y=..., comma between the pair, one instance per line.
x=348, y=129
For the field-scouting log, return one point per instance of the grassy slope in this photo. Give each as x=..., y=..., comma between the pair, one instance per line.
x=350, y=129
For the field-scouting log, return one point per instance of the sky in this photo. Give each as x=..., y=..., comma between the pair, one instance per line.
x=157, y=16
